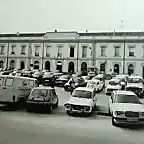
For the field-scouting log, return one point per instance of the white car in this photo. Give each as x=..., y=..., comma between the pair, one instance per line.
x=91, y=73
x=83, y=100
x=86, y=78
x=114, y=84
x=126, y=108
x=95, y=84
x=36, y=74
x=135, y=84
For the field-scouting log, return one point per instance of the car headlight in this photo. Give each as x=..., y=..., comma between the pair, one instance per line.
x=86, y=108
x=141, y=113
x=119, y=113
x=68, y=106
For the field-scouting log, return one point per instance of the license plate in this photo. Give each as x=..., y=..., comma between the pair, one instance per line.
x=46, y=80
x=38, y=99
x=132, y=119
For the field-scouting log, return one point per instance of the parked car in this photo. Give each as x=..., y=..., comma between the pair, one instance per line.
x=95, y=84
x=86, y=78
x=79, y=82
x=126, y=108
x=135, y=84
x=62, y=80
x=42, y=97
x=83, y=100
x=36, y=74
x=101, y=78
x=91, y=74
x=57, y=74
x=46, y=80
x=26, y=73
x=114, y=84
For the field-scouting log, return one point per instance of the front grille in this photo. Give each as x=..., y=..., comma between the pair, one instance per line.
x=77, y=107
x=131, y=114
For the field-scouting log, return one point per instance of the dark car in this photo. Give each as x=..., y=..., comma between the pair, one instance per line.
x=79, y=82
x=62, y=80
x=45, y=97
x=46, y=80
x=57, y=74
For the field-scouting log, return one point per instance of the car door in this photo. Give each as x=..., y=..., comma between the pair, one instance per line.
x=54, y=96
x=9, y=90
x=94, y=98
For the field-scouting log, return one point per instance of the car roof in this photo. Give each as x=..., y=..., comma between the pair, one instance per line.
x=115, y=79
x=84, y=88
x=123, y=92
x=121, y=76
x=135, y=76
x=94, y=80
x=20, y=77
x=43, y=87
x=100, y=75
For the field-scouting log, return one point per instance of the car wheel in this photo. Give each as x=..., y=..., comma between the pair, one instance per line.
x=113, y=122
x=68, y=112
x=50, y=109
x=28, y=109
x=56, y=105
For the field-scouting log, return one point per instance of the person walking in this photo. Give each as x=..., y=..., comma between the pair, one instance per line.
x=53, y=81
x=72, y=85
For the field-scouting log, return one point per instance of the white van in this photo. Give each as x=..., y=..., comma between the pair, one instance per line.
x=13, y=89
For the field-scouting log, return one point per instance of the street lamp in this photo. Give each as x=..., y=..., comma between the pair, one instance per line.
x=7, y=58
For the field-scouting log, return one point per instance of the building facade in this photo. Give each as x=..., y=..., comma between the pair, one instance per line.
x=120, y=52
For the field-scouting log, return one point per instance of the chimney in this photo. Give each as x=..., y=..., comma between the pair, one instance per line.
x=55, y=30
x=86, y=31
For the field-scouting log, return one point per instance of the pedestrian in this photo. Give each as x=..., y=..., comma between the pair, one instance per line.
x=72, y=85
x=53, y=81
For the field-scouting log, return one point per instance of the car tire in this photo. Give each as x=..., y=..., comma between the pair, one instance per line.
x=56, y=105
x=68, y=113
x=28, y=109
x=113, y=122
x=50, y=109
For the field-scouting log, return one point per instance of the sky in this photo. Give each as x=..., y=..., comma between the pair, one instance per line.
x=71, y=15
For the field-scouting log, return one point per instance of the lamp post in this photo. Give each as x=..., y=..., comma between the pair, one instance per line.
x=77, y=53
x=30, y=53
x=42, y=51
x=7, y=58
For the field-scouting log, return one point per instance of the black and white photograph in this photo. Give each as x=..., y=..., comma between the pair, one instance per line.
x=71, y=72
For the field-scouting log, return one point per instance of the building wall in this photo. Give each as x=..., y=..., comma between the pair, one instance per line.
x=65, y=40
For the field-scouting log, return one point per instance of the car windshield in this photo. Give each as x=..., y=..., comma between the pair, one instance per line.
x=134, y=80
x=82, y=94
x=64, y=77
x=113, y=82
x=39, y=92
x=127, y=99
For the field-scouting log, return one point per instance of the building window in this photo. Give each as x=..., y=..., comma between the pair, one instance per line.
x=103, y=50
x=23, y=49
x=37, y=51
x=71, y=51
x=131, y=51
x=84, y=51
x=2, y=50
x=13, y=49
x=48, y=51
x=59, y=54
x=117, y=50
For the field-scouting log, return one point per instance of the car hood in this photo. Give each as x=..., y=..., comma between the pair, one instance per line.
x=128, y=107
x=80, y=101
x=112, y=86
x=134, y=85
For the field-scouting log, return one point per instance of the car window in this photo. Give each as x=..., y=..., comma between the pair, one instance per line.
x=120, y=98
x=1, y=81
x=9, y=81
x=39, y=92
x=113, y=82
x=82, y=94
x=134, y=80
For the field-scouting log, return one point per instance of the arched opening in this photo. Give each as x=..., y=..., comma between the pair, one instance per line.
x=1, y=64
x=22, y=66
x=36, y=65
x=12, y=64
x=102, y=67
x=59, y=66
x=116, y=68
x=71, y=67
x=130, y=69
x=47, y=65
x=84, y=66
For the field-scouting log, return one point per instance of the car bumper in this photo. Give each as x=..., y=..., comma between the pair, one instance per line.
x=78, y=111
x=140, y=121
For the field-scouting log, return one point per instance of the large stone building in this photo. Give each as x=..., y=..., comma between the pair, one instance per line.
x=120, y=52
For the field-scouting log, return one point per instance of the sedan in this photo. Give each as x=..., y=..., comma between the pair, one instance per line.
x=126, y=108
x=62, y=80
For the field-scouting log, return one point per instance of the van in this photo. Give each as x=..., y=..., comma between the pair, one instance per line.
x=14, y=89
